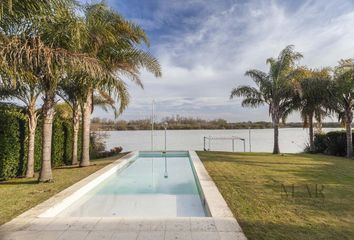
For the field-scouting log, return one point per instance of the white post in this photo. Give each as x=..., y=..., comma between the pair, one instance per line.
x=165, y=136
x=233, y=145
x=152, y=124
x=249, y=136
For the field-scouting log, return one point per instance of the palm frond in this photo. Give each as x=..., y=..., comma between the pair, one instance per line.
x=252, y=97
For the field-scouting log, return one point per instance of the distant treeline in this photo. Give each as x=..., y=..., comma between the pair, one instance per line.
x=189, y=123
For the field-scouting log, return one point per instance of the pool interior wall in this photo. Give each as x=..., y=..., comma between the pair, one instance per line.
x=152, y=184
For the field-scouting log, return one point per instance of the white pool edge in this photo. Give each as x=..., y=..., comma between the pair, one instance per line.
x=215, y=202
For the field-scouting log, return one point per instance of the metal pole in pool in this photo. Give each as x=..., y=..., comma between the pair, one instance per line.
x=166, y=173
x=152, y=124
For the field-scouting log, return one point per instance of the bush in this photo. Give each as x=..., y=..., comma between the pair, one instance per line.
x=332, y=143
x=12, y=149
x=13, y=142
x=336, y=143
x=112, y=152
x=97, y=144
x=320, y=143
x=62, y=142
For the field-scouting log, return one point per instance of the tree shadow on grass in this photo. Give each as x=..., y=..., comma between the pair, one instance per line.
x=11, y=182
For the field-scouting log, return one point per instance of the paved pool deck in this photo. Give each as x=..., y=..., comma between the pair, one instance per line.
x=31, y=225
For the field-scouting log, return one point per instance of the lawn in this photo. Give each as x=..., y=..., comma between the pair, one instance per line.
x=253, y=186
x=21, y=194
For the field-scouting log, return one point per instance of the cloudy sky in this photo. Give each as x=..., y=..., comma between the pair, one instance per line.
x=205, y=46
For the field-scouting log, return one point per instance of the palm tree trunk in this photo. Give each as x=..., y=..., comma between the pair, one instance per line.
x=48, y=116
x=76, y=126
x=32, y=125
x=312, y=144
x=276, y=135
x=276, y=139
x=348, y=127
x=86, y=121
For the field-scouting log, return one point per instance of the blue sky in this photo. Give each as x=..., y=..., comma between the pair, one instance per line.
x=205, y=46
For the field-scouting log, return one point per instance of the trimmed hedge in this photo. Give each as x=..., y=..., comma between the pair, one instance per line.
x=11, y=147
x=331, y=143
x=13, y=142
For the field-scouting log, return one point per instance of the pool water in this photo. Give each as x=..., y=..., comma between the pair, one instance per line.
x=152, y=185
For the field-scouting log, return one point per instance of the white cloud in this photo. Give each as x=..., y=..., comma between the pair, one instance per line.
x=209, y=53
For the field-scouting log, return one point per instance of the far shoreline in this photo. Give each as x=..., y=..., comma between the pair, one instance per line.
x=184, y=129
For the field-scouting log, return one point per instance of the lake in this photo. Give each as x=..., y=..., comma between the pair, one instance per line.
x=291, y=140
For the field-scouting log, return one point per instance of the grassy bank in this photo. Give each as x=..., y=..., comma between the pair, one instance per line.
x=251, y=183
x=21, y=194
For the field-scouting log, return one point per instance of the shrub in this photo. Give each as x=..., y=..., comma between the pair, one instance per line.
x=332, y=143
x=320, y=143
x=62, y=142
x=112, y=152
x=12, y=150
x=97, y=144
x=336, y=143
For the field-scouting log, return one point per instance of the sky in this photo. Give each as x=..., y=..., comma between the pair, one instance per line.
x=205, y=47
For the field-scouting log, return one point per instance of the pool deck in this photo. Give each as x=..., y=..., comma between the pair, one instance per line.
x=220, y=226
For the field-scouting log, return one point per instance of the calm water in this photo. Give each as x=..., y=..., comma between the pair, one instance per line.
x=292, y=140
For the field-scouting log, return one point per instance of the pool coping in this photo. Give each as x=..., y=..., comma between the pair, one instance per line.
x=215, y=202
x=226, y=226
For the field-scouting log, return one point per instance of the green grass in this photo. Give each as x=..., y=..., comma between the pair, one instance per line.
x=251, y=185
x=21, y=194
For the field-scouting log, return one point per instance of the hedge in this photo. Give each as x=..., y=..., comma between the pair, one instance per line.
x=11, y=147
x=331, y=143
x=13, y=141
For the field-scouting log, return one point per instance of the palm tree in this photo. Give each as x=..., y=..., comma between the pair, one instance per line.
x=70, y=91
x=313, y=97
x=342, y=92
x=274, y=88
x=41, y=40
x=26, y=90
x=113, y=41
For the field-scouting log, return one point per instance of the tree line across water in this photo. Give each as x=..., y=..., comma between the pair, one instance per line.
x=185, y=123
x=315, y=93
x=60, y=49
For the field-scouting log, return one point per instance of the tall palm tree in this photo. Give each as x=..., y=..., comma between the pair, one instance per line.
x=313, y=102
x=114, y=42
x=71, y=92
x=274, y=88
x=41, y=40
x=25, y=89
x=342, y=92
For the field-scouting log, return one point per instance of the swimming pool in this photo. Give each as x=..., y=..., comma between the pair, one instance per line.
x=152, y=184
